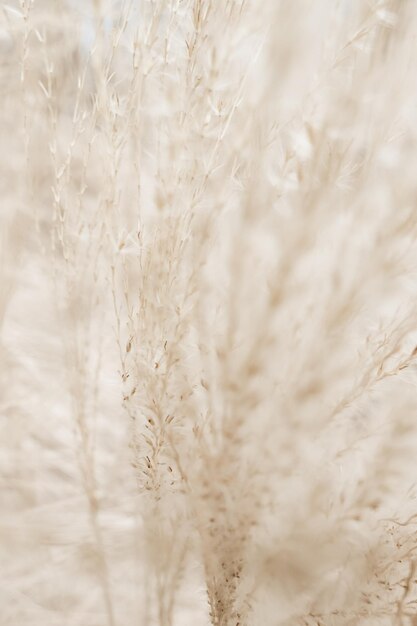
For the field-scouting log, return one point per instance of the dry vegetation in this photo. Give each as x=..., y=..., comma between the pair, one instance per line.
x=208, y=322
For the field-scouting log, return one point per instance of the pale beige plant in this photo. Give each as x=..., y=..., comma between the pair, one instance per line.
x=208, y=326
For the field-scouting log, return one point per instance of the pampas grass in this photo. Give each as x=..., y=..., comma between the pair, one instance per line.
x=207, y=313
